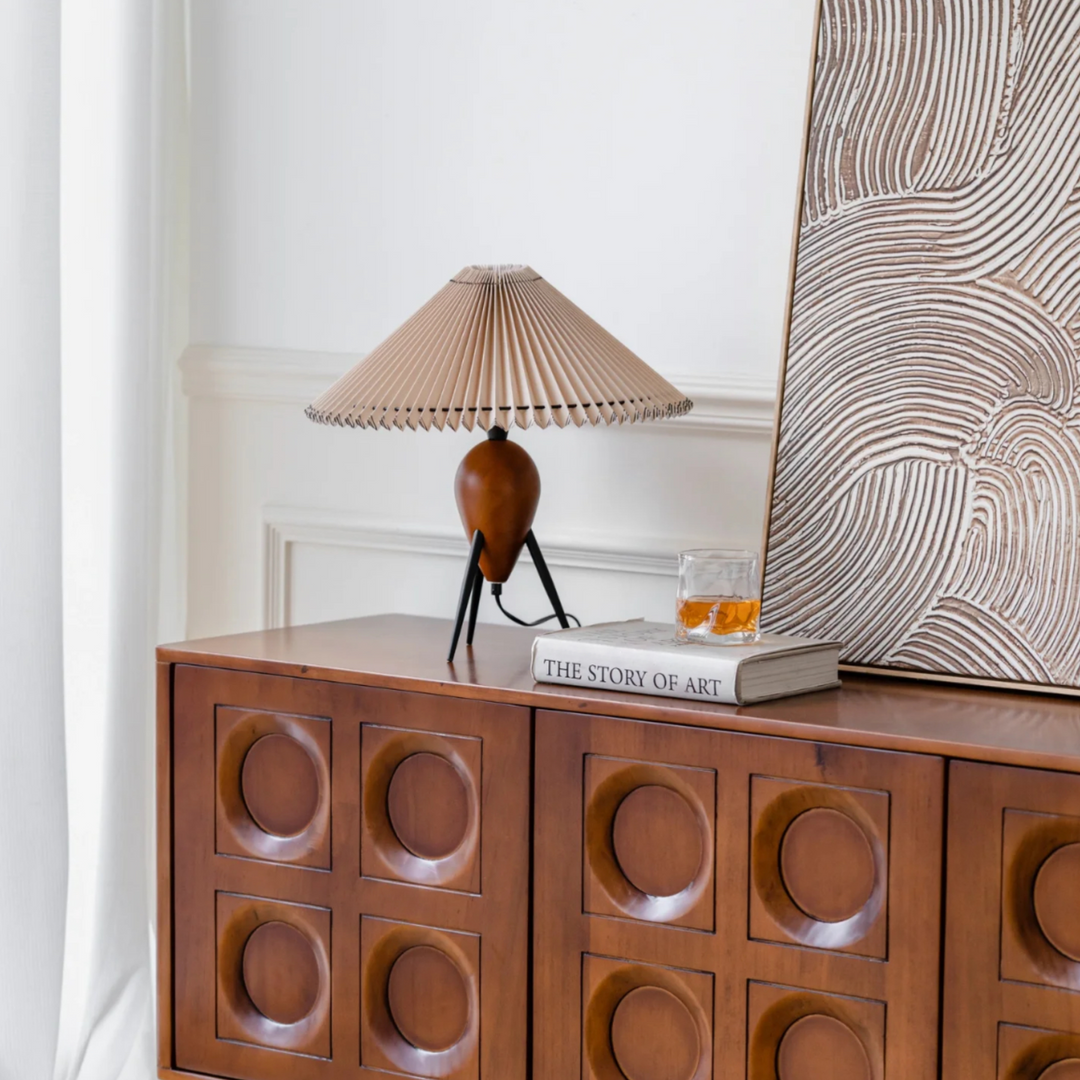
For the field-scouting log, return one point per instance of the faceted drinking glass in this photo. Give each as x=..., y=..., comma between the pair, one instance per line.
x=719, y=597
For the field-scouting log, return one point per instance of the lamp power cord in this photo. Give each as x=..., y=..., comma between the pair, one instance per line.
x=496, y=591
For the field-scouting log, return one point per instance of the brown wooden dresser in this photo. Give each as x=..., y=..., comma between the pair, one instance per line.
x=372, y=863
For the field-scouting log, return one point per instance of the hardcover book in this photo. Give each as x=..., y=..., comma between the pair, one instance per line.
x=644, y=658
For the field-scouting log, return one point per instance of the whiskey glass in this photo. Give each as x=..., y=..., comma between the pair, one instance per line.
x=719, y=597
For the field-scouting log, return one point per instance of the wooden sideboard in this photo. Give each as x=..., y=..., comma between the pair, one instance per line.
x=375, y=863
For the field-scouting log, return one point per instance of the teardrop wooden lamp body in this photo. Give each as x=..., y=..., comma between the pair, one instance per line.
x=495, y=347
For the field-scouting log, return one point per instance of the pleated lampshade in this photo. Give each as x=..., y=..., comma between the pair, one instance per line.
x=497, y=347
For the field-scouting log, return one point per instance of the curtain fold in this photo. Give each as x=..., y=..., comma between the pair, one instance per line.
x=33, y=811
x=123, y=184
x=93, y=184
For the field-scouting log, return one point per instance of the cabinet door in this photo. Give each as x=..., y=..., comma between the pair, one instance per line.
x=714, y=905
x=350, y=881
x=1012, y=930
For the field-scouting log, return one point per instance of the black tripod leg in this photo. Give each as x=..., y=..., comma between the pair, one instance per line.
x=478, y=584
x=545, y=578
x=472, y=571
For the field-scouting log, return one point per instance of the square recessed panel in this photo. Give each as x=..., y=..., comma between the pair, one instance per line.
x=819, y=873
x=649, y=842
x=1025, y=1053
x=420, y=1000
x=790, y=1029
x=273, y=788
x=635, y=1015
x=422, y=807
x=1040, y=867
x=273, y=974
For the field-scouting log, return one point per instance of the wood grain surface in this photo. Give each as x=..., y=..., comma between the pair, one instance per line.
x=827, y=889
x=280, y=972
x=428, y=999
x=654, y=1037
x=656, y=840
x=280, y=785
x=407, y=652
x=428, y=805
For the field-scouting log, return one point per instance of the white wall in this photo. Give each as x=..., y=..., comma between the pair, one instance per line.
x=348, y=156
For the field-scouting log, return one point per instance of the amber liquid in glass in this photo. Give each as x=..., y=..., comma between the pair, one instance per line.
x=724, y=614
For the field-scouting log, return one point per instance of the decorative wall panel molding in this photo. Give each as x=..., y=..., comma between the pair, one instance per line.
x=732, y=404
x=284, y=526
x=926, y=499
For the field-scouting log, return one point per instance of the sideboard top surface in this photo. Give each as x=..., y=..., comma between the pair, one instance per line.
x=409, y=653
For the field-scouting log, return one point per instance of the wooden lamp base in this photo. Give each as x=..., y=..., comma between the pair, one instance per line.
x=497, y=489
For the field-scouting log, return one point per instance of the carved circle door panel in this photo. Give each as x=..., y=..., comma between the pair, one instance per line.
x=658, y=841
x=280, y=785
x=820, y=1047
x=273, y=787
x=429, y=806
x=1040, y=940
x=819, y=865
x=1029, y=1053
x=1057, y=890
x=654, y=1036
x=827, y=865
x=428, y=999
x=273, y=974
x=643, y=1022
x=800, y=1034
x=649, y=842
x=281, y=972
x=421, y=801
x=420, y=1000
x=744, y=865
x=325, y=880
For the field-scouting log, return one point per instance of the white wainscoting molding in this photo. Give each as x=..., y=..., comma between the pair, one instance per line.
x=728, y=404
x=284, y=526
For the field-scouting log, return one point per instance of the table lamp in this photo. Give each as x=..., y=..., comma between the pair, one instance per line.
x=497, y=347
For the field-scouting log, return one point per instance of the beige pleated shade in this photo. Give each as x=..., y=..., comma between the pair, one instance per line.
x=498, y=346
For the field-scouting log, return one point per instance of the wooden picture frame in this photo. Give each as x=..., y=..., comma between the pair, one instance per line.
x=924, y=496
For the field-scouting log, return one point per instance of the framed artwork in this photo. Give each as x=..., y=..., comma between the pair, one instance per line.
x=925, y=498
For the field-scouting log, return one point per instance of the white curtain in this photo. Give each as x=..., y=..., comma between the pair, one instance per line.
x=92, y=183
x=33, y=810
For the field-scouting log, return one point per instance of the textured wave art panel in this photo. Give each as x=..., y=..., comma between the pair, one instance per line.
x=926, y=495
